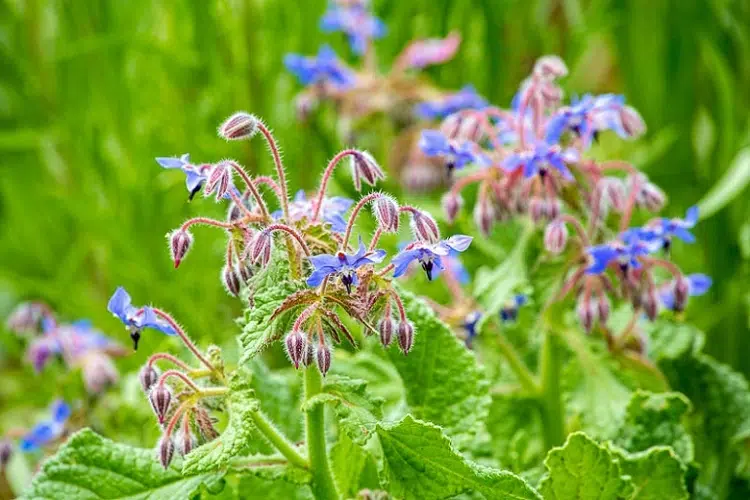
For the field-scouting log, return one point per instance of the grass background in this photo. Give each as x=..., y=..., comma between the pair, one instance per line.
x=91, y=92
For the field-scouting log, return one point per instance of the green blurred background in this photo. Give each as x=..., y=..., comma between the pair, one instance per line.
x=91, y=91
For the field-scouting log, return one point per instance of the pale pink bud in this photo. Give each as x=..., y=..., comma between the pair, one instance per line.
x=586, y=313
x=550, y=67
x=323, y=357
x=99, y=372
x=160, y=398
x=186, y=442
x=551, y=93
x=385, y=209
x=239, y=126
x=537, y=209
x=462, y=127
x=603, y=308
x=364, y=167
x=650, y=303
x=260, y=248
x=424, y=227
x=296, y=346
x=612, y=191
x=219, y=180
x=165, y=451
x=681, y=293
x=230, y=280
x=385, y=328
x=180, y=241
x=148, y=377
x=452, y=203
x=484, y=215
x=555, y=236
x=405, y=336
x=451, y=125
x=632, y=122
x=652, y=197
x=552, y=208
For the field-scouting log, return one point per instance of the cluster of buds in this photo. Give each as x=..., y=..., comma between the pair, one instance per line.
x=78, y=344
x=318, y=233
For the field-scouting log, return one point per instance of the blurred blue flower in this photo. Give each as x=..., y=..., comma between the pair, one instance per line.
x=429, y=256
x=332, y=211
x=663, y=230
x=356, y=22
x=698, y=284
x=510, y=311
x=455, y=267
x=344, y=265
x=470, y=326
x=136, y=318
x=434, y=143
x=325, y=67
x=466, y=98
x=586, y=117
x=195, y=176
x=47, y=431
x=624, y=253
x=537, y=160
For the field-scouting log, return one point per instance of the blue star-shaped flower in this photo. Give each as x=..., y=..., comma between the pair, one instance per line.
x=325, y=67
x=537, y=160
x=135, y=318
x=586, y=117
x=663, y=230
x=434, y=143
x=698, y=284
x=625, y=253
x=356, y=22
x=49, y=430
x=466, y=98
x=344, y=265
x=429, y=256
x=332, y=211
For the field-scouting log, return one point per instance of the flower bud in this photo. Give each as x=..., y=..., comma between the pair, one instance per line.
x=180, y=241
x=219, y=180
x=260, y=248
x=552, y=208
x=309, y=357
x=148, y=377
x=230, y=280
x=424, y=227
x=551, y=93
x=205, y=424
x=386, y=212
x=99, y=372
x=405, y=336
x=681, y=293
x=239, y=126
x=452, y=203
x=26, y=318
x=6, y=450
x=186, y=441
x=484, y=215
x=632, y=122
x=323, y=357
x=612, y=192
x=235, y=213
x=365, y=167
x=165, y=451
x=462, y=127
x=649, y=195
x=160, y=398
x=586, y=312
x=296, y=347
x=603, y=308
x=537, y=209
x=451, y=125
x=650, y=303
x=550, y=68
x=555, y=236
x=244, y=271
x=386, y=327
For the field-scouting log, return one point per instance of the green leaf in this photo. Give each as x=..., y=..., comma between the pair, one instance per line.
x=656, y=474
x=443, y=382
x=240, y=437
x=515, y=427
x=656, y=419
x=420, y=463
x=583, y=469
x=266, y=291
x=354, y=467
x=279, y=392
x=731, y=185
x=671, y=340
x=89, y=466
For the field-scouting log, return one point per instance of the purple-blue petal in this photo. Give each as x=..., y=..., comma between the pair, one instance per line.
x=699, y=284
x=402, y=260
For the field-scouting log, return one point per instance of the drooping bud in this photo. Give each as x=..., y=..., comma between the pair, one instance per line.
x=386, y=327
x=462, y=127
x=235, y=213
x=296, y=346
x=205, y=424
x=648, y=195
x=424, y=227
x=632, y=122
x=612, y=192
x=323, y=357
x=219, y=180
x=230, y=280
x=244, y=271
x=260, y=248
x=386, y=212
x=484, y=215
x=603, y=308
x=165, y=451
x=160, y=398
x=6, y=450
x=552, y=208
x=555, y=236
x=99, y=372
x=364, y=167
x=650, y=303
x=309, y=357
x=537, y=209
x=405, y=336
x=148, y=377
x=186, y=441
x=551, y=93
x=180, y=241
x=586, y=311
x=550, y=67
x=681, y=293
x=239, y=126
x=452, y=203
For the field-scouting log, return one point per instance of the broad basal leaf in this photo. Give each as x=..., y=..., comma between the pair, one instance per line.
x=354, y=467
x=420, y=463
x=515, y=427
x=89, y=466
x=443, y=382
x=656, y=474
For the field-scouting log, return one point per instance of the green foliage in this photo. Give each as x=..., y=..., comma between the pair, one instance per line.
x=655, y=474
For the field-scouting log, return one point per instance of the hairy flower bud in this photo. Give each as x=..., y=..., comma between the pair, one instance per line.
x=405, y=336
x=681, y=293
x=230, y=280
x=537, y=209
x=632, y=122
x=484, y=215
x=555, y=236
x=27, y=317
x=648, y=194
x=452, y=203
x=552, y=208
x=244, y=271
x=296, y=346
x=650, y=303
x=219, y=180
x=205, y=424
x=586, y=311
x=186, y=441
x=160, y=398
x=386, y=212
x=550, y=67
x=239, y=126
x=462, y=127
x=385, y=328
x=260, y=248
x=364, y=167
x=6, y=450
x=148, y=377
x=180, y=241
x=165, y=451
x=99, y=372
x=323, y=357
x=603, y=308
x=424, y=227
x=612, y=193
x=308, y=358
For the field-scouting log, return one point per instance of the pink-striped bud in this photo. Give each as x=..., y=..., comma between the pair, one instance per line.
x=385, y=328
x=424, y=228
x=186, y=441
x=239, y=126
x=364, y=167
x=550, y=67
x=296, y=347
x=219, y=180
x=452, y=203
x=484, y=215
x=632, y=122
x=650, y=303
x=462, y=127
x=612, y=192
x=245, y=272
x=551, y=93
x=230, y=280
x=165, y=451
x=386, y=213
x=160, y=398
x=323, y=357
x=537, y=209
x=552, y=208
x=308, y=358
x=260, y=248
x=586, y=311
x=405, y=336
x=603, y=308
x=147, y=377
x=555, y=236
x=180, y=241
x=648, y=194
x=681, y=293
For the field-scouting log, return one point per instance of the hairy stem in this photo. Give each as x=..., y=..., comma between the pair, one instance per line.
x=284, y=198
x=553, y=413
x=185, y=339
x=323, y=485
x=525, y=377
x=252, y=188
x=327, y=177
x=353, y=217
x=278, y=440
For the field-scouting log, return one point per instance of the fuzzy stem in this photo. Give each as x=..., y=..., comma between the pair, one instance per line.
x=525, y=377
x=462, y=182
x=399, y=305
x=172, y=359
x=673, y=269
x=217, y=223
x=252, y=188
x=268, y=181
x=386, y=270
x=185, y=339
x=578, y=227
x=176, y=417
x=327, y=177
x=178, y=374
x=350, y=225
x=279, y=167
x=278, y=440
x=323, y=485
x=553, y=414
x=241, y=205
x=375, y=239
x=293, y=232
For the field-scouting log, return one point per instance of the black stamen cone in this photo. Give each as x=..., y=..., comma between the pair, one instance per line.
x=347, y=281
x=195, y=191
x=427, y=266
x=135, y=336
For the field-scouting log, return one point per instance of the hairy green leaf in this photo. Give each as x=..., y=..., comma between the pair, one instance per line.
x=420, y=463
x=354, y=467
x=89, y=466
x=515, y=427
x=656, y=474
x=279, y=393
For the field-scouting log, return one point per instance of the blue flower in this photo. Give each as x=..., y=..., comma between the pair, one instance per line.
x=325, y=67
x=625, y=253
x=698, y=284
x=537, y=160
x=47, y=431
x=510, y=311
x=455, y=267
x=332, y=211
x=195, y=176
x=470, y=326
x=466, y=98
x=586, y=117
x=356, y=22
x=135, y=318
x=434, y=143
x=344, y=265
x=429, y=256
x=663, y=230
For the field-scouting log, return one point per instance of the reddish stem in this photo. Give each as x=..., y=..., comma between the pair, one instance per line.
x=327, y=177
x=304, y=316
x=217, y=223
x=400, y=305
x=172, y=359
x=578, y=227
x=465, y=181
x=293, y=233
x=279, y=167
x=175, y=418
x=264, y=179
x=627, y=167
x=375, y=239
x=176, y=373
x=185, y=339
x=360, y=204
x=252, y=188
